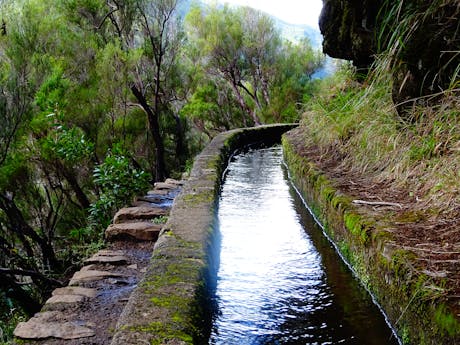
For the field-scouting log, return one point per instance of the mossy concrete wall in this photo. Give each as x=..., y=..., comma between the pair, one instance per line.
x=408, y=297
x=172, y=304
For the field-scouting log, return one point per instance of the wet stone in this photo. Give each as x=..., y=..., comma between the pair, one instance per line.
x=160, y=192
x=65, y=299
x=164, y=185
x=75, y=290
x=139, y=213
x=43, y=325
x=174, y=182
x=107, y=257
x=141, y=231
x=91, y=275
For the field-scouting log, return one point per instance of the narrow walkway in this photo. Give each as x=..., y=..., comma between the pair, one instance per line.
x=87, y=310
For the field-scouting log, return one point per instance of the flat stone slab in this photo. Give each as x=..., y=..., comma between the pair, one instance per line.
x=140, y=231
x=165, y=186
x=65, y=299
x=41, y=327
x=174, y=182
x=160, y=192
x=75, y=290
x=91, y=275
x=139, y=213
x=108, y=257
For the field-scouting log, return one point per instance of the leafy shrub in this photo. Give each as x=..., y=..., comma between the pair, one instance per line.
x=118, y=181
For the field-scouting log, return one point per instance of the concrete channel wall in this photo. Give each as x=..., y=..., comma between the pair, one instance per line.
x=173, y=303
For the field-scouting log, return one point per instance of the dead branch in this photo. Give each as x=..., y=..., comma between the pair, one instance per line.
x=377, y=203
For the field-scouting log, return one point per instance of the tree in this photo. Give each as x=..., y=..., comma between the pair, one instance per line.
x=243, y=47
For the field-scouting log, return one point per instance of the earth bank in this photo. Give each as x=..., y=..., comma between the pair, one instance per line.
x=408, y=262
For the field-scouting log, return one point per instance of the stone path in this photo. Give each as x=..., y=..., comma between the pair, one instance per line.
x=87, y=311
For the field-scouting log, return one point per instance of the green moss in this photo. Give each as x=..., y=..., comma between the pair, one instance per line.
x=446, y=321
x=327, y=193
x=201, y=197
x=357, y=226
x=163, y=334
x=340, y=202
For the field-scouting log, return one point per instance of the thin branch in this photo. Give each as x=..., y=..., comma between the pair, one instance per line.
x=377, y=203
x=30, y=274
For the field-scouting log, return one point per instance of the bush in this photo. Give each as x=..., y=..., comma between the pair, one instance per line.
x=118, y=180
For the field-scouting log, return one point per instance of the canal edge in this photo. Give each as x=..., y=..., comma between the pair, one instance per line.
x=172, y=305
x=365, y=244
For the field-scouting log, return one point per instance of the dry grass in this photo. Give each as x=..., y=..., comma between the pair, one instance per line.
x=359, y=123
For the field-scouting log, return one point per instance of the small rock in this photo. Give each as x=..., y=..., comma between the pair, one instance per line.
x=91, y=275
x=75, y=290
x=40, y=327
x=141, y=231
x=133, y=267
x=139, y=213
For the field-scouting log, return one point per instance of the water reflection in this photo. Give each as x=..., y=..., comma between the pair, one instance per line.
x=280, y=281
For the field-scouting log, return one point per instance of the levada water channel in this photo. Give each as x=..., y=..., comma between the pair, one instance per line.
x=280, y=281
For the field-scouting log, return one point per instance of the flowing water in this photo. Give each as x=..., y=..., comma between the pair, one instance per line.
x=280, y=281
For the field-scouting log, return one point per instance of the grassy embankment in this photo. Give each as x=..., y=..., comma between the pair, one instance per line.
x=403, y=241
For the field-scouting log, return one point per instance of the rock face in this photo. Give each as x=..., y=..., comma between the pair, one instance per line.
x=425, y=57
x=348, y=30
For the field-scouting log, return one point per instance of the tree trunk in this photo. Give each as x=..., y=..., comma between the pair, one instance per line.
x=80, y=195
x=20, y=227
x=181, y=149
x=154, y=127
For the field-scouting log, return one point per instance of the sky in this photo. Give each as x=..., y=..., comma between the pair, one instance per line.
x=291, y=11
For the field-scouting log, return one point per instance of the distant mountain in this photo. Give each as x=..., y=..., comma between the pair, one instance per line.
x=295, y=32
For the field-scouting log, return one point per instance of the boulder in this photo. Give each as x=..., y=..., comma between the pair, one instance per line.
x=139, y=213
x=140, y=231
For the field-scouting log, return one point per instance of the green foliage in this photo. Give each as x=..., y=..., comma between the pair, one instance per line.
x=241, y=47
x=51, y=94
x=118, y=181
x=9, y=317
